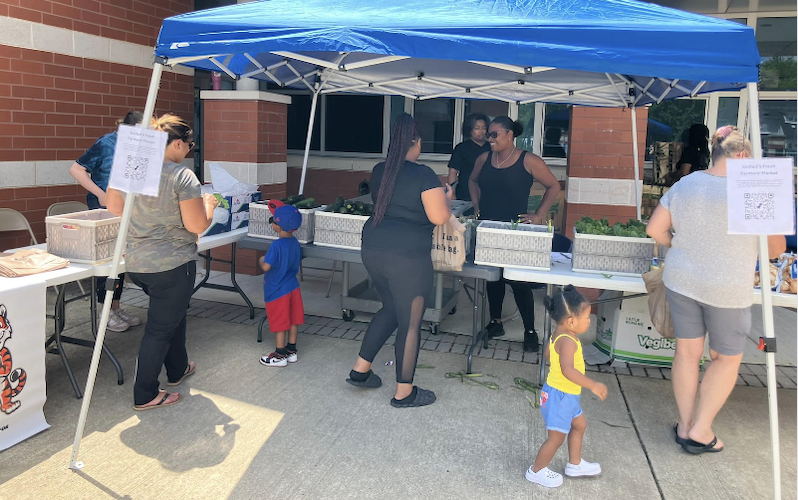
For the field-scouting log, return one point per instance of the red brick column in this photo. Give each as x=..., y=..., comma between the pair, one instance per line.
x=601, y=148
x=245, y=132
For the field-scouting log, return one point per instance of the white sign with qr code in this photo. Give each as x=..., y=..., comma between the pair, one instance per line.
x=760, y=196
x=138, y=160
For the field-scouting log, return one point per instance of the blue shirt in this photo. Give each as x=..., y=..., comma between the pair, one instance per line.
x=284, y=256
x=98, y=161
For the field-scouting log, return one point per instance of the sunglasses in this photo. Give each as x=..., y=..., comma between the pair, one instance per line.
x=492, y=135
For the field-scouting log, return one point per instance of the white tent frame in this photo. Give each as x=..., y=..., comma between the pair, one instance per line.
x=315, y=81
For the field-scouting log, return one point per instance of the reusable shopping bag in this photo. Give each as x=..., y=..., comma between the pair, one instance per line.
x=448, y=246
x=658, y=303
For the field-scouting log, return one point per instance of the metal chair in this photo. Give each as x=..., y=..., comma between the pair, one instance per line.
x=11, y=220
x=68, y=207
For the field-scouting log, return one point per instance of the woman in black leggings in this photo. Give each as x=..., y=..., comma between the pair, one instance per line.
x=408, y=202
x=500, y=185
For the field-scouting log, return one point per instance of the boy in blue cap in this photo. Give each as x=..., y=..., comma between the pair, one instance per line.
x=280, y=287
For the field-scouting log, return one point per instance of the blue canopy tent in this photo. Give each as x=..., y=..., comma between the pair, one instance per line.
x=620, y=53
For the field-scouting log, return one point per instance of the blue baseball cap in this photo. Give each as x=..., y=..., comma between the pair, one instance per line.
x=288, y=218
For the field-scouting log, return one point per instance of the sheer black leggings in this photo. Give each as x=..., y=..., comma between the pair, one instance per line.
x=403, y=284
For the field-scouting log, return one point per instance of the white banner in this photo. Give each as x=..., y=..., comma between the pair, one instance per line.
x=23, y=390
x=138, y=160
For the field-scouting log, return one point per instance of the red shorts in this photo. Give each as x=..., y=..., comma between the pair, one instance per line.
x=285, y=312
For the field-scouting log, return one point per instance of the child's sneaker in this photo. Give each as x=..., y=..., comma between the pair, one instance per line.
x=544, y=477
x=274, y=359
x=583, y=469
x=291, y=358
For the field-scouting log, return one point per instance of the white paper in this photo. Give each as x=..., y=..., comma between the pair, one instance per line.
x=138, y=160
x=227, y=185
x=760, y=196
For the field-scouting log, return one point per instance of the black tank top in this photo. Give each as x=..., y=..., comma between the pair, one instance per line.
x=504, y=192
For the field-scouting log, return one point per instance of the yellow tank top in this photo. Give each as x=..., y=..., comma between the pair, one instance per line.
x=556, y=379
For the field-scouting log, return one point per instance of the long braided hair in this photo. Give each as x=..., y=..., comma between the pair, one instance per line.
x=405, y=133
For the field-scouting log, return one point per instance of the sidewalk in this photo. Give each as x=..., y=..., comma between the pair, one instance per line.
x=249, y=431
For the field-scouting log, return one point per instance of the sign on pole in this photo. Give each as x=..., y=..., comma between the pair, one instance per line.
x=759, y=196
x=138, y=160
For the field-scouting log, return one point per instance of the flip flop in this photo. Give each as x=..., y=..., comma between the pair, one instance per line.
x=679, y=440
x=189, y=372
x=371, y=382
x=696, y=448
x=161, y=403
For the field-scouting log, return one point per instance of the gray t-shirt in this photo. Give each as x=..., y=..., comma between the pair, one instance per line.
x=704, y=262
x=157, y=241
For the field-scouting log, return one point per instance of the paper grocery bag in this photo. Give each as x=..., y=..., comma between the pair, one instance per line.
x=658, y=303
x=448, y=246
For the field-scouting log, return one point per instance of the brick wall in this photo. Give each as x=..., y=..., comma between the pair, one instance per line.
x=245, y=131
x=134, y=21
x=601, y=147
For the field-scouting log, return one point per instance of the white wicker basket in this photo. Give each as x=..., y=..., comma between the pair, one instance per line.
x=339, y=230
x=528, y=246
x=259, y=226
x=612, y=254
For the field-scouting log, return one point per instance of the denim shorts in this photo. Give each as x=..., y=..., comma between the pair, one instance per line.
x=558, y=408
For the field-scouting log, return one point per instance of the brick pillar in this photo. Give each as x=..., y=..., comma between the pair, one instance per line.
x=245, y=133
x=601, y=167
x=601, y=164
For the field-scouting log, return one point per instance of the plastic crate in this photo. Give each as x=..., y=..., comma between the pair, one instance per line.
x=527, y=246
x=339, y=230
x=259, y=226
x=612, y=254
x=86, y=237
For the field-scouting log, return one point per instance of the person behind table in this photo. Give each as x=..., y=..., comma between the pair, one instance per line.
x=559, y=397
x=695, y=156
x=500, y=186
x=92, y=171
x=703, y=301
x=161, y=258
x=409, y=202
x=465, y=154
x=280, y=287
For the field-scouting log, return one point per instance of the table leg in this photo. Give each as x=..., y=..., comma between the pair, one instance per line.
x=235, y=285
x=478, y=319
x=207, y=257
x=214, y=286
x=546, y=337
x=60, y=308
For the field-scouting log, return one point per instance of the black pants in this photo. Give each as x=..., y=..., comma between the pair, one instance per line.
x=523, y=299
x=101, y=288
x=404, y=285
x=164, y=341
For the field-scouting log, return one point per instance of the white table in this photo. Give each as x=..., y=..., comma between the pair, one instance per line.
x=561, y=274
x=206, y=243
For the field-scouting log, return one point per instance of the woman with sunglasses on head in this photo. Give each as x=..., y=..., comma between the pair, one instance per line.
x=161, y=258
x=409, y=202
x=500, y=186
x=710, y=292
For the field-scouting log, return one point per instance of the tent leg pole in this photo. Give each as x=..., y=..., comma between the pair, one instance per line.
x=74, y=464
x=638, y=197
x=767, y=304
x=308, y=138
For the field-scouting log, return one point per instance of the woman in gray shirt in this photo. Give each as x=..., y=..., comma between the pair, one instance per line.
x=161, y=258
x=709, y=276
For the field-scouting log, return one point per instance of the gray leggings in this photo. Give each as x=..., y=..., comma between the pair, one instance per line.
x=403, y=284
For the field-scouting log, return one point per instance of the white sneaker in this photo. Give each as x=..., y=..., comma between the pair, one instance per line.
x=127, y=318
x=274, y=359
x=544, y=477
x=115, y=323
x=583, y=469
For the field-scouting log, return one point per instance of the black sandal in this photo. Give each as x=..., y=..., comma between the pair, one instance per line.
x=419, y=397
x=372, y=381
x=679, y=440
x=696, y=448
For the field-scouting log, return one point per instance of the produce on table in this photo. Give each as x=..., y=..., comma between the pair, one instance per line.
x=299, y=201
x=789, y=274
x=774, y=273
x=632, y=229
x=343, y=206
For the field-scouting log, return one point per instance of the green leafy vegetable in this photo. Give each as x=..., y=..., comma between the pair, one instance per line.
x=632, y=229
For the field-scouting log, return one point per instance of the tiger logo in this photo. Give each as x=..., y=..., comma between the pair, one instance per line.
x=11, y=381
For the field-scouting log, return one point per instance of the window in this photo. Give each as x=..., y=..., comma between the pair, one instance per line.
x=669, y=121
x=526, y=116
x=491, y=109
x=777, y=127
x=436, y=119
x=555, y=130
x=353, y=123
x=728, y=108
x=775, y=38
x=298, y=115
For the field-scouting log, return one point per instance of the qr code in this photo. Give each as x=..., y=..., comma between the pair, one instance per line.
x=136, y=168
x=760, y=206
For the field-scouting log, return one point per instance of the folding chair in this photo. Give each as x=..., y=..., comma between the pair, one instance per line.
x=11, y=220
